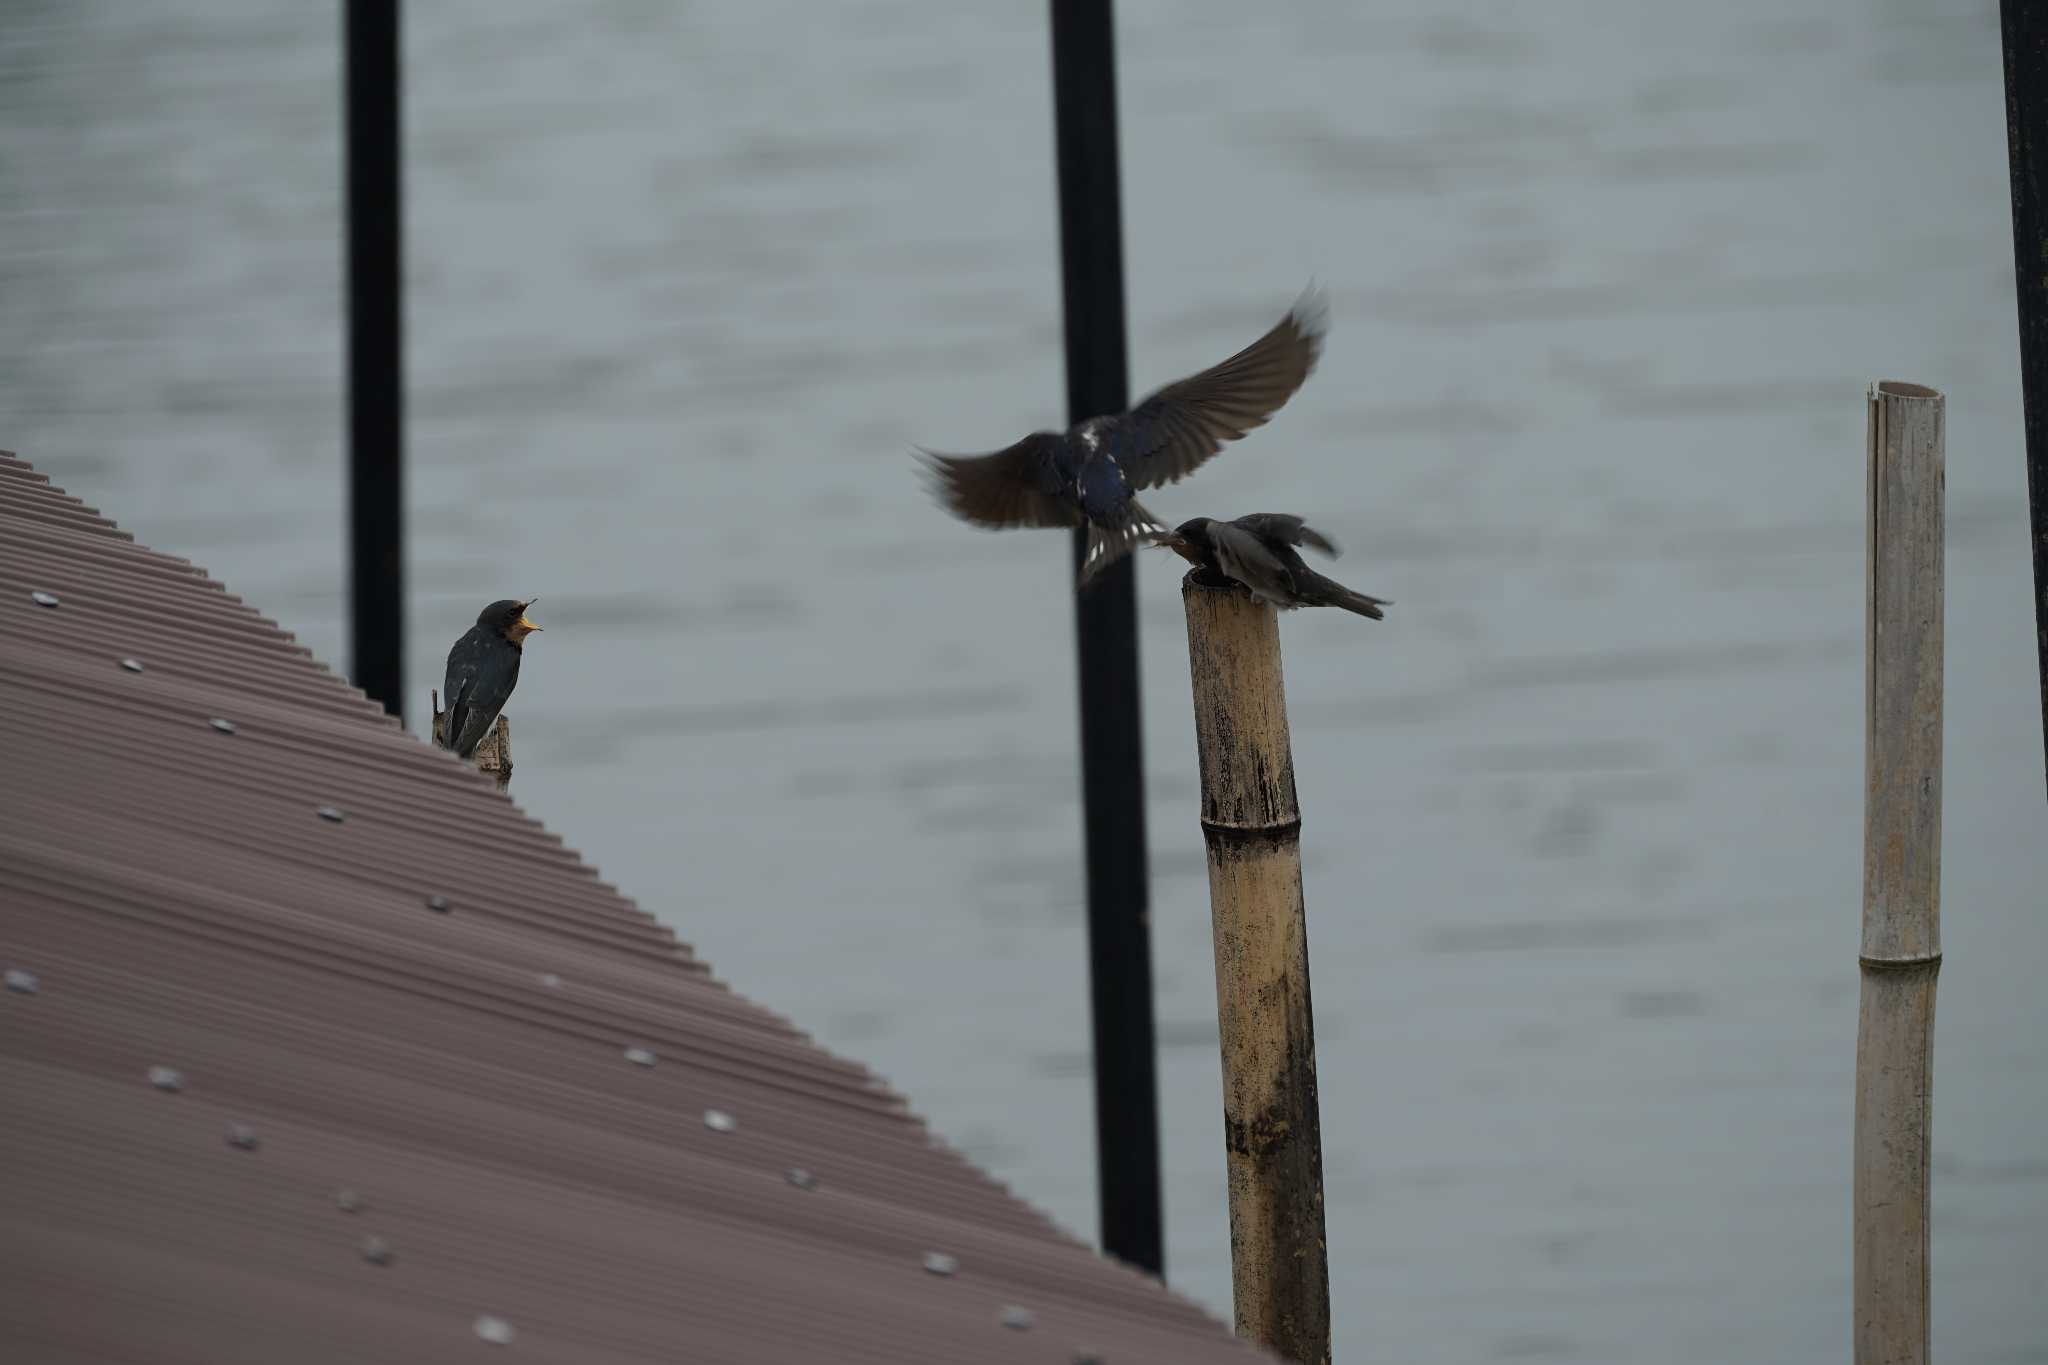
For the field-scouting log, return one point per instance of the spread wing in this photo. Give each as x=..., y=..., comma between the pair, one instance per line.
x=1244, y=557
x=1007, y=488
x=1183, y=424
x=1286, y=530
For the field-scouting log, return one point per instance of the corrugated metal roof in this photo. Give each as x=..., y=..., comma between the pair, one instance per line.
x=385, y=1131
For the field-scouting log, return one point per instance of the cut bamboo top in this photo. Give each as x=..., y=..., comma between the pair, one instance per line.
x=1240, y=709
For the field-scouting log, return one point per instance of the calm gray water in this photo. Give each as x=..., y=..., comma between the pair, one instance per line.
x=1583, y=817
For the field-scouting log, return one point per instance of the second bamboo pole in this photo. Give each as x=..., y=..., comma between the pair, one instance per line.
x=1901, y=940
x=1272, y=1125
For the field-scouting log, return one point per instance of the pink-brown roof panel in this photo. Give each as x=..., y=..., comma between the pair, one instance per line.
x=316, y=1048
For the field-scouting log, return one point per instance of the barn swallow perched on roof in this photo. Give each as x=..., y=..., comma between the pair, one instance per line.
x=1257, y=551
x=483, y=668
x=1089, y=474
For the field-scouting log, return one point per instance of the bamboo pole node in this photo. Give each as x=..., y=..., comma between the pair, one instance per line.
x=1898, y=964
x=1900, y=952
x=1280, y=1274
x=493, y=754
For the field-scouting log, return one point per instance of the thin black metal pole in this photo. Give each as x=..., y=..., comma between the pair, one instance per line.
x=2026, y=125
x=1106, y=635
x=376, y=356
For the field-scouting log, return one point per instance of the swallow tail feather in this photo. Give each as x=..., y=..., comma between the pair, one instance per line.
x=1328, y=592
x=1108, y=544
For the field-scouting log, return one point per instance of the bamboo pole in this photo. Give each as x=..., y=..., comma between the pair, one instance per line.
x=1272, y=1127
x=493, y=753
x=1901, y=944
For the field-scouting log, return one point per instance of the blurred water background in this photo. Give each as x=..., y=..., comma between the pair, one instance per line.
x=1582, y=831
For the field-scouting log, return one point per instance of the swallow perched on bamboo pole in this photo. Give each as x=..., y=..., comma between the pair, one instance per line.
x=1257, y=552
x=483, y=668
x=1090, y=474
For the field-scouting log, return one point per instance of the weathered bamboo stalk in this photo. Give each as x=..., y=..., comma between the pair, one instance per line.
x=493, y=754
x=1901, y=944
x=1271, y=1123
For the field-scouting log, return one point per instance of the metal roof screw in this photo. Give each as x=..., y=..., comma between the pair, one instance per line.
x=164, y=1078
x=242, y=1137
x=132, y=665
x=348, y=1201
x=802, y=1178
x=1018, y=1319
x=21, y=982
x=332, y=813
x=42, y=599
x=438, y=903
x=640, y=1056
x=226, y=727
x=376, y=1251
x=497, y=1331
x=718, y=1121
x=551, y=981
x=939, y=1263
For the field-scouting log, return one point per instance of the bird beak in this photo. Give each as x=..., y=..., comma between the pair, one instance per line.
x=526, y=627
x=1179, y=545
